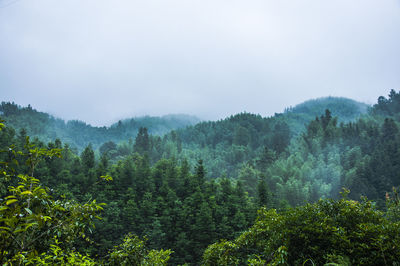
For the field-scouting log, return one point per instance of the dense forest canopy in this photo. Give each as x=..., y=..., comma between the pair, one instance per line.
x=47, y=127
x=78, y=134
x=345, y=109
x=233, y=142
x=192, y=194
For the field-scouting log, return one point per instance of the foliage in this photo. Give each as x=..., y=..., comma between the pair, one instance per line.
x=328, y=231
x=347, y=110
x=132, y=252
x=30, y=217
x=37, y=229
x=79, y=134
x=388, y=106
x=55, y=256
x=197, y=185
x=393, y=206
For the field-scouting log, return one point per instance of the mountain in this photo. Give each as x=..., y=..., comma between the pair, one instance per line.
x=78, y=134
x=228, y=145
x=345, y=109
x=233, y=142
x=215, y=132
x=156, y=125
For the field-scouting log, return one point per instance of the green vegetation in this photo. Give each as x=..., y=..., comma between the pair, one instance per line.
x=38, y=229
x=192, y=195
x=78, y=134
x=165, y=202
x=328, y=232
x=346, y=109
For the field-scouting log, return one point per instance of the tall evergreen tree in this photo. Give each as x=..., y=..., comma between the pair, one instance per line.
x=142, y=142
x=87, y=158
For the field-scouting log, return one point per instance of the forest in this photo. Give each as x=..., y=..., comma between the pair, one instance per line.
x=315, y=185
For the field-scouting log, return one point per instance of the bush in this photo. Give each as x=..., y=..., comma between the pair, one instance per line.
x=328, y=231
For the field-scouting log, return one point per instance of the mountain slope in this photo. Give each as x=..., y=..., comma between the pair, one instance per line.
x=346, y=109
x=78, y=134
x=228, y=145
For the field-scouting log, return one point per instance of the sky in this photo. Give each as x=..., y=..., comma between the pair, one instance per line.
x=102, y=60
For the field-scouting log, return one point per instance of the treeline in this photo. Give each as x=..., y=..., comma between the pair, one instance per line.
x=301, y=167
x=78, y=134
x=228, y=146
x=361, y=156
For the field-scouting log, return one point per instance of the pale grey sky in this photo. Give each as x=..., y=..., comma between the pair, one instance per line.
x=102, y=60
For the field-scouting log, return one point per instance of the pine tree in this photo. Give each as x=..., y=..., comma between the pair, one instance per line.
x=142, y=142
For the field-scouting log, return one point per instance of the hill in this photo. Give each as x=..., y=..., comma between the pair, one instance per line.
x=344, y=108
x=78, y=134
x=228, y=145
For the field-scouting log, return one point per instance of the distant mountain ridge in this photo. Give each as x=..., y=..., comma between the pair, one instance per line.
x=78, y=134
x=342, y=107
x=236, y=140
x=345, y=109
x=158, y=125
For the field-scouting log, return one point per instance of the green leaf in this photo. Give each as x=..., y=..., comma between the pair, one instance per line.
x=106, y=178
x=4, y=228
x=26, y=192
x=29, y=225
x=11, y=201
x=45, y=218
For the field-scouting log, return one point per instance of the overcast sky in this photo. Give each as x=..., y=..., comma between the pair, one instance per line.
x=102, y=60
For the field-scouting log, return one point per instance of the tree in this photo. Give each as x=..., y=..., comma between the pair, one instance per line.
x=343, y=231
x=389, y=130
x=33, y=224
x=388, y=107
x=281, y=137
x=242, y=136
x=87, y=158
x=200, y=173
x=266, y=158
x=107, y=147
x=133, y=252
x=142, y=143
x=262, y=193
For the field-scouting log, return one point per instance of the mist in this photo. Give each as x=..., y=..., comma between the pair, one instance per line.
x=100, y=61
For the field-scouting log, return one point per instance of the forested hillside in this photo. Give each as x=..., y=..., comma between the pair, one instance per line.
x=198, y=185
x=345, y=109
x=78, y=134
x=226, y=146
x=233, y=145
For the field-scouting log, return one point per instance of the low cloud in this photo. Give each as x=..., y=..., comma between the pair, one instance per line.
x=99, y=60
